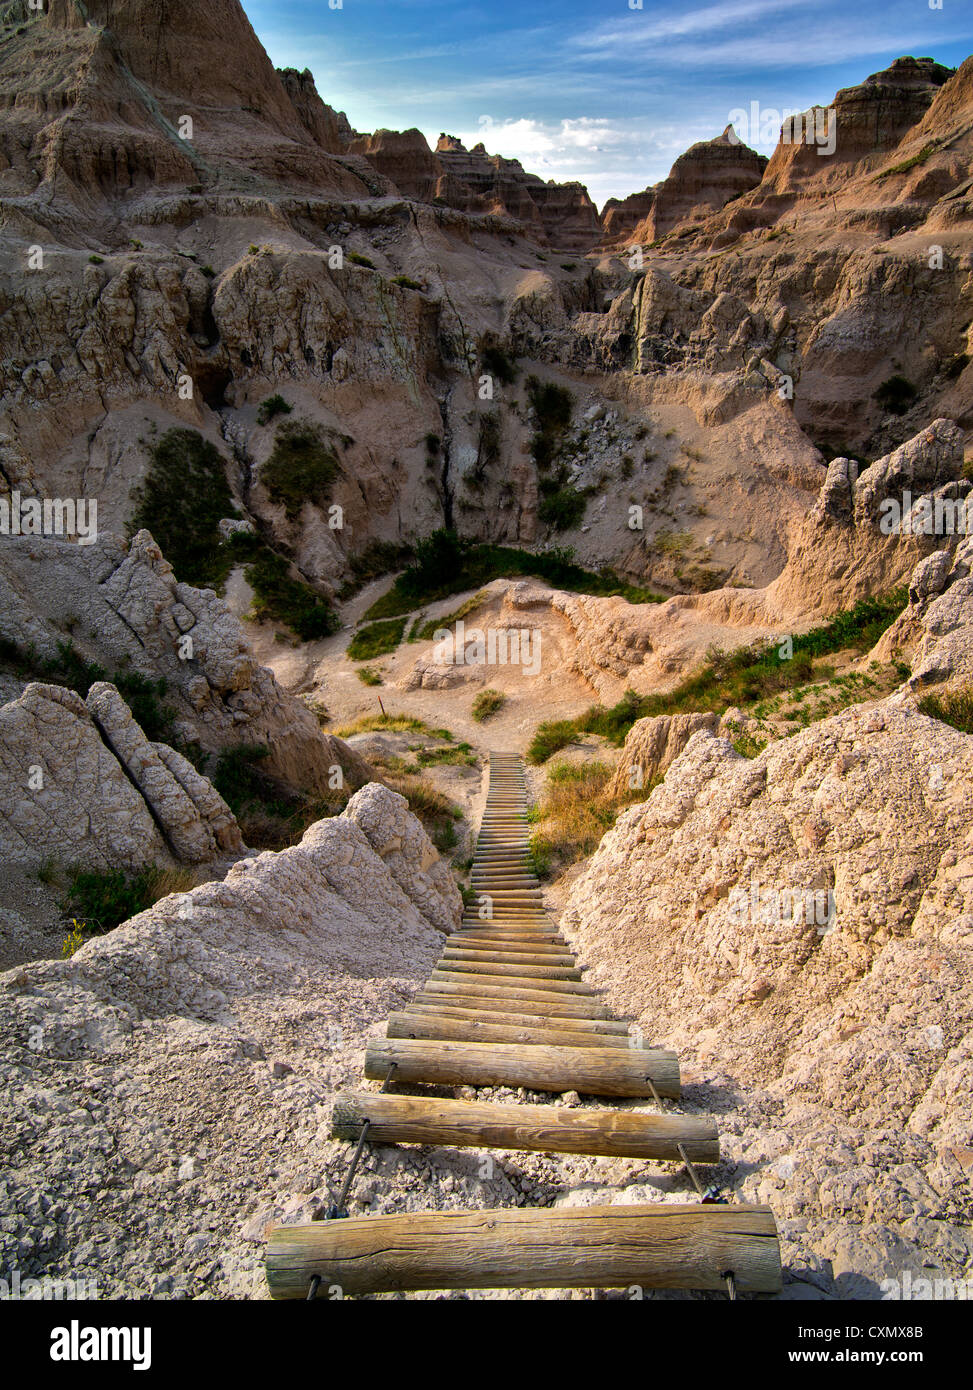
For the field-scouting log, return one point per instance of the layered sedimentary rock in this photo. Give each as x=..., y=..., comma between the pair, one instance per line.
x=863, y=122
x=704, y=179
x=122, y=607
x=784, y=917
x=559, y=213
x=174, y=1050
x=80, y=783
x=405, y=159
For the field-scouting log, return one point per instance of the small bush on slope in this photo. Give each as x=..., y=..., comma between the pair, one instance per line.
x=739, y=677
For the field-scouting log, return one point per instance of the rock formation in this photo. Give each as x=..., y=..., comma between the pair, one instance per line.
x=80, y=781
x=808, y=937
x=121, y=607
x=174, y=1049
x=703, y=180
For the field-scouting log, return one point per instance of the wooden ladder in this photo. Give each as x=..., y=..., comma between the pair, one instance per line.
x=507, y=1006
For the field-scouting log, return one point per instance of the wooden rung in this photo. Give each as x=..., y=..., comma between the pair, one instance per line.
x=528, y=978
x=670, y=1246
x=548, y=1032
x=542, y=943
x=520, y=1018
x=541, y=1128
x=595, y=1071
x=496, y=956
x=483, y=989
x=523, y=1001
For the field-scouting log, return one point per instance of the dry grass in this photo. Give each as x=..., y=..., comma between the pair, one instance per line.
x=574, y=813
x=434, y=809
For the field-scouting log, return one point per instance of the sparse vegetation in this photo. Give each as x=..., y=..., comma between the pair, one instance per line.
x=561, y=507
x=737, y=678
x=270, y=408
x=182, y=501
x=301, y=468
x=394, y=723
x=376, y=639
x=445, y=565
x=405, y=282
x=357, y=258
x=553, y=406
x=73, y=670
x=271, y=815
x=497, y=363
x=99, y=902
x=488, y=451
x=369, y=676
x=907, y=164
x=487, y=702
x=896, y=395
x=573, y=814
x=954, y=707
x=278, y=598
x=378, y=558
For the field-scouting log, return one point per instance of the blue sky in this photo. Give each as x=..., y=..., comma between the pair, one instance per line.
x=593, y=89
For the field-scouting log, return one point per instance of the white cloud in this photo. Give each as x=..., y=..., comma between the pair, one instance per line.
x=612, y=159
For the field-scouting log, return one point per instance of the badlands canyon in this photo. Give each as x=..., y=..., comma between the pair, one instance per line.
x=334, y=394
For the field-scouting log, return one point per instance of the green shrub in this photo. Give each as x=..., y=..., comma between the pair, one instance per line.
x=955, y=707
x=488, y=451
x=182, y=501
x=446, y=565
x=271, y=815
x=357, y=259
x=736, y=678
x=301, y=468
x=553, y=406
x=486, y=703
x=497, y=363
x=896, y=395
x=562, y=508
x=143, y=697
x=102, y=901
x=377, y=639
x=907, y=164
x=437, y=560
x=279, y=598
x=405, y=282
x=369, y=676
x=272, y=406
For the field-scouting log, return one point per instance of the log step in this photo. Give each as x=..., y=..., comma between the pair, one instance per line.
x=495, y=956
x=475, y=996
x=668, y=1246
x=518, y=980
x=469, y=962
x=536, y=1032
x=592, y=1071
x=538, y=1128
x=518, y=1018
